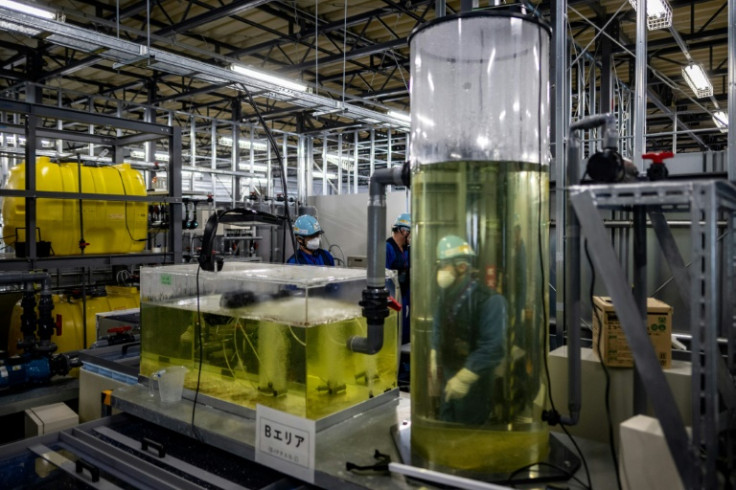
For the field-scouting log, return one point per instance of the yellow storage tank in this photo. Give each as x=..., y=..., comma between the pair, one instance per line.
x=68, y=313
x=110, y=227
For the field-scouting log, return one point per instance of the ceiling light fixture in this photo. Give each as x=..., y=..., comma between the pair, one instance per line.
x=321, y=175
x=659, y=14
x=243, y=143
x=245, y=166
x=140, y=154
x=28, y=9
x=265, y=77
x=401, y=116
x=695, y=76
x=721, y=120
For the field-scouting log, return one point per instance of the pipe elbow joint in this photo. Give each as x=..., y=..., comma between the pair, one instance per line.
x=375, y=310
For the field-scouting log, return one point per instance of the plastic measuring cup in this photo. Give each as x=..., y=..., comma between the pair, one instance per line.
x=171, y=383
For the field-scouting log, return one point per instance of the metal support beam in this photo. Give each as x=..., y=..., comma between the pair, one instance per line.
x=232, y=8
x=30, y=239
x=732, y=90
x=640, y=109
x=235, y=155
x=440, y=8
x=606, y=94
x=83, y=117
x=361, y=52
x=645, y=359
x=561, y=120
x=671, y=253
x=60, y=134
x=654, y=99
x=339, y=163
x=704, y=333
x=356, y=156
x=175, y=208
x=301, y=169
x=729, y=251
x=640, y=295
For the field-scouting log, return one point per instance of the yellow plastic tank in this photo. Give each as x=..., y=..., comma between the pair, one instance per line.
x=68, y=312
x=110, y=227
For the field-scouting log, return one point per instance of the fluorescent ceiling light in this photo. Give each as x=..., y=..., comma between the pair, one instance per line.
x=44, y=143
x=659, y=14
x=265, y=77
x=330, y=175
x=401, y=116
x=256, y=167
x=28, y=9
x=243, y=143
x=695, y=76
x=343, y=161
x=721, y=120
x=140, y=154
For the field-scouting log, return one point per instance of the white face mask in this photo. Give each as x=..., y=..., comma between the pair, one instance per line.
x=445, y=278
x=313, y=244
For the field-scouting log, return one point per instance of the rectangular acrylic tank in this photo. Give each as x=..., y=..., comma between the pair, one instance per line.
x=266, y=333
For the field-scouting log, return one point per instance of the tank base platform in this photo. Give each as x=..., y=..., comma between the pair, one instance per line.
x=560, y=464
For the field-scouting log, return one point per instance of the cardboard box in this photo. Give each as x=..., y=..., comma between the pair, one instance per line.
x=614, y=348
x=49, y=418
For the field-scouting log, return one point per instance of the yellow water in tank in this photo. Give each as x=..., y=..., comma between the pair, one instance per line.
x=267, y=354
x=109, y=226
x=68, y=311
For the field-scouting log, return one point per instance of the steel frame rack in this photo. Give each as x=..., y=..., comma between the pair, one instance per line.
x=711, y=315
x=139, y=132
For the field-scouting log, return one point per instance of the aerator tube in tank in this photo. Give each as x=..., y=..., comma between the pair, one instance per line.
x=479, y=157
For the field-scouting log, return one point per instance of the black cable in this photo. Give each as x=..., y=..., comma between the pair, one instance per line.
x=125, y=193
x=605, y=369
x=543, y=282
x=198, y=336
x=562, y=470
x=82, y=242
x=275, y=147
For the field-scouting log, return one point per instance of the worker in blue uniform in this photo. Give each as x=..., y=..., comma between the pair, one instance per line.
x=469, y=336
x=307, y=231
x=397, y=259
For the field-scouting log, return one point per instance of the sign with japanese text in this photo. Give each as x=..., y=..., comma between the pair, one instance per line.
x=285, y=442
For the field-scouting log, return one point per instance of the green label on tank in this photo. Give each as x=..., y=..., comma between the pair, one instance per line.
x=166, y=279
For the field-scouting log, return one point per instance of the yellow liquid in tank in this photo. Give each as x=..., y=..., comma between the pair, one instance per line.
x=501, y=210
x=469, y=449
x=260, y=354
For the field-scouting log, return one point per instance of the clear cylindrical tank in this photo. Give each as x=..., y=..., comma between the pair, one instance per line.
x=479, y=156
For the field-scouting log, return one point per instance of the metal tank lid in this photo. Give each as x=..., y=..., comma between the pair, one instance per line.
x=519, y=11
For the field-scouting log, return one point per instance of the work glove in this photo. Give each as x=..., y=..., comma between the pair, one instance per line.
x=459, y=384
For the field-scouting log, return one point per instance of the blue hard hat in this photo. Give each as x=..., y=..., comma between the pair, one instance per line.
x=452, y=246
x=306, y=225
x=403, y=221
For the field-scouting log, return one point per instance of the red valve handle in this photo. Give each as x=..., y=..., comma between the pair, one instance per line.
x=122, y=329
x=658, y=157
x=393, y=304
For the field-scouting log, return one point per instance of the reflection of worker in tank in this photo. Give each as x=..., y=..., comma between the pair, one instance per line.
x=397, y=259
x=307, y=231
x=469, y=336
